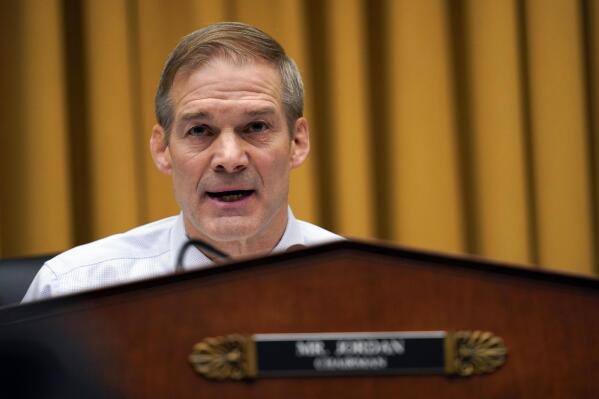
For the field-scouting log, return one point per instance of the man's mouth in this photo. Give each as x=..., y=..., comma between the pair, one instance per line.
x=230, y=196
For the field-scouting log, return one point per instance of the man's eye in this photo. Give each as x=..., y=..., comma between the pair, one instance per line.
x=256, y=127
x=201, y=130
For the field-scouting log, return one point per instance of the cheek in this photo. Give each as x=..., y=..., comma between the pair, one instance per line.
x=277, y=171
x=186, y=175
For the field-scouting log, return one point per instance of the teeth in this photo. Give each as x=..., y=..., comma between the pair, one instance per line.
x=231, y=197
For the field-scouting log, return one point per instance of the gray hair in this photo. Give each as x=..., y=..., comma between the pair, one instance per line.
x=238, y=43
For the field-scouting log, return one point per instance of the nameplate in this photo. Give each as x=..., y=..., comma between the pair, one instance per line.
x=349, y=353
x=238, y=357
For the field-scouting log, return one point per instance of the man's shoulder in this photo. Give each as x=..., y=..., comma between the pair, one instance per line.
x=314, y=234
x=142, y=242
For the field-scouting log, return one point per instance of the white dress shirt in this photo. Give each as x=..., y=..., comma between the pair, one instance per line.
x=146, y=251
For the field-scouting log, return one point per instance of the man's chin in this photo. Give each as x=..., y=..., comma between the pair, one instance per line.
x=231, y=228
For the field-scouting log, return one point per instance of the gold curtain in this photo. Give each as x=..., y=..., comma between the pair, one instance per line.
x=466, y=126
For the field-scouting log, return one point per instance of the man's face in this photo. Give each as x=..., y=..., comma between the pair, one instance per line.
x=230, y=152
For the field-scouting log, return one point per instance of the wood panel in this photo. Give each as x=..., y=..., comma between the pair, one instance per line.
x=146, y=330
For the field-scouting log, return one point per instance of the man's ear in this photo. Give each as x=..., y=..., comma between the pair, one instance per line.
x=160, y=150
x=300, y=142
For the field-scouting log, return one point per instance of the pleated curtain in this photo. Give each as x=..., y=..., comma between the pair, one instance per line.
x=466, y=126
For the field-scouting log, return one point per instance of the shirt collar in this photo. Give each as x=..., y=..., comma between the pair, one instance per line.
x=292, y=236
x=194, y=258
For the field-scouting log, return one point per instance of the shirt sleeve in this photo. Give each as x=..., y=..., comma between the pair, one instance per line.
x=41, y=286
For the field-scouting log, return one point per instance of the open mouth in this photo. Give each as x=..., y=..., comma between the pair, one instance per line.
x=230, y=196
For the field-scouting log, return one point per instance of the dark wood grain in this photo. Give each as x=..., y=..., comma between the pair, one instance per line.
x=137, y=337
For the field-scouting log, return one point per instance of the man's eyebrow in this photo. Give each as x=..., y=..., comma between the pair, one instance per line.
x=195, y=115
x=261, y=111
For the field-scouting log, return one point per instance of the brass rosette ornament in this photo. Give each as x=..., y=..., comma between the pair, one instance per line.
x=474, y=352
x=230, y=357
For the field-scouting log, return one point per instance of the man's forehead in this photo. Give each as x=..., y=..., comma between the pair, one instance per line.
x=253, y=87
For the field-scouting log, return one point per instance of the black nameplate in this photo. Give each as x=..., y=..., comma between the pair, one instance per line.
x=237, y=357
x=350, y=353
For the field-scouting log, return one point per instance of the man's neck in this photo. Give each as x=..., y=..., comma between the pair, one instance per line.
x=258, y=245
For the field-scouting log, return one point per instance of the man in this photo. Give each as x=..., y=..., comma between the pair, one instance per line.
x=230, y=128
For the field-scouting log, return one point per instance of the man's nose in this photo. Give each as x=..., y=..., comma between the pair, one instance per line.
x=229, y=153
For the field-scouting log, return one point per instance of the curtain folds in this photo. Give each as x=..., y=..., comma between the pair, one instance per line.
x=466, y=126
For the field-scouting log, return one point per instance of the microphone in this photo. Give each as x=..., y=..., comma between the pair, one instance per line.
x=296, y=247
x=201, y=245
